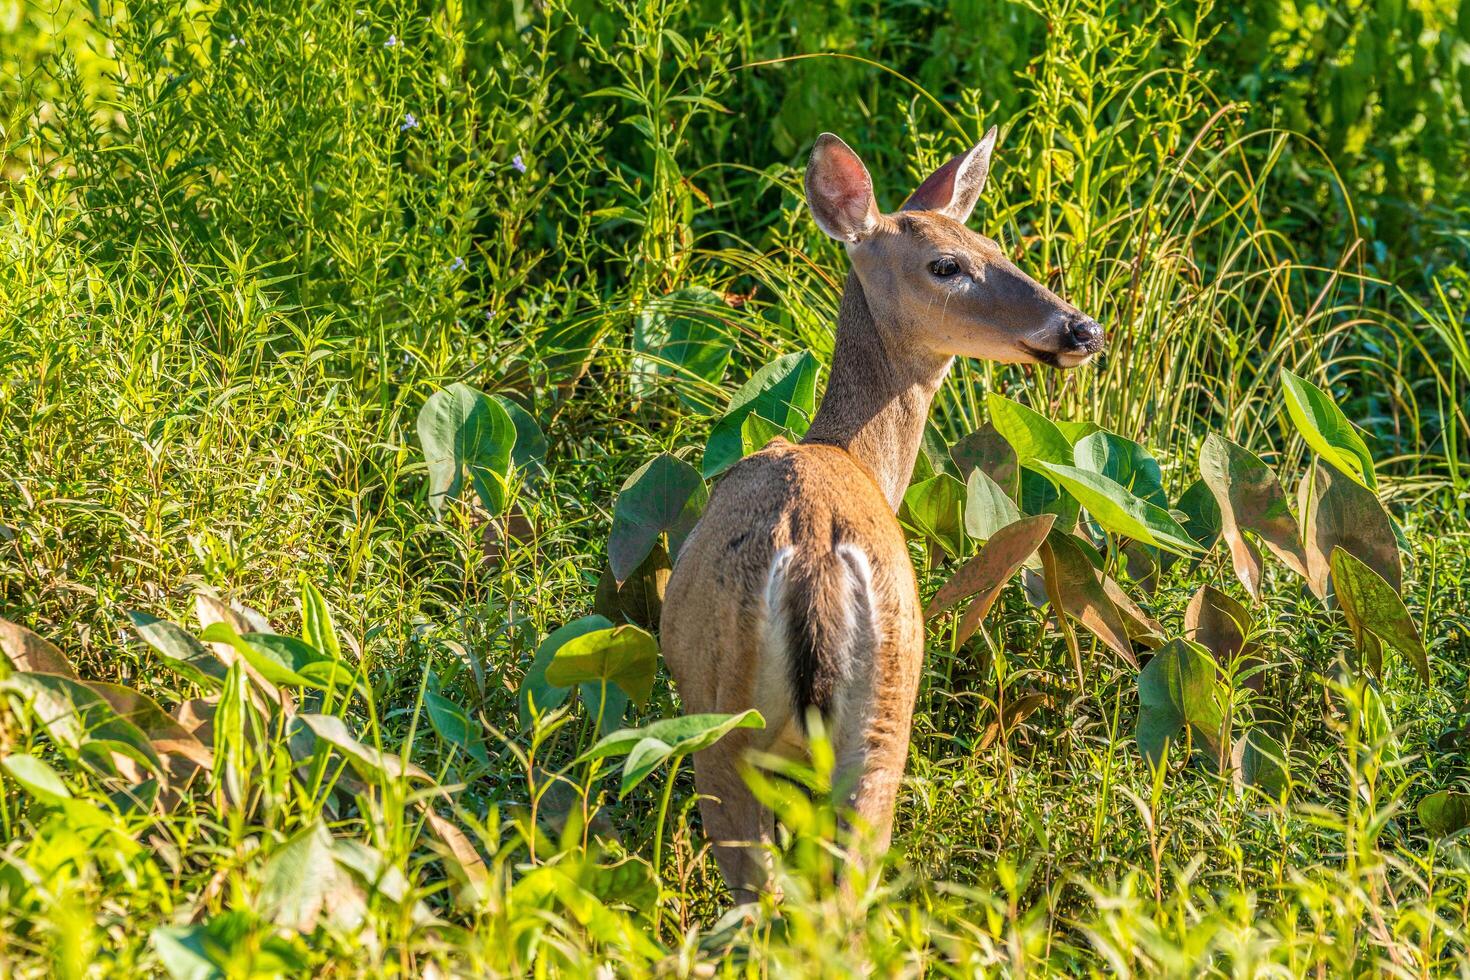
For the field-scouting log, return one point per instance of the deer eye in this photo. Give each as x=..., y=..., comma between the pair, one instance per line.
x=944, y=268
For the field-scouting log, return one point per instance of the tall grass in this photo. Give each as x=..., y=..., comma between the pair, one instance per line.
x=243, y=244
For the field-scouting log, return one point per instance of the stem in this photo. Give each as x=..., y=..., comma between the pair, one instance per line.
x=663, y=810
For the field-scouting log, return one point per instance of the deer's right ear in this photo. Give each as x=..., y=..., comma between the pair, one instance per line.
x=839, y=191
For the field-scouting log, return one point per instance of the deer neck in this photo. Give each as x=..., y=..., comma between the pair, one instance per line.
x=878, y=394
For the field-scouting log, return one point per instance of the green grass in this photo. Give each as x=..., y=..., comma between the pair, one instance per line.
x=233, y=274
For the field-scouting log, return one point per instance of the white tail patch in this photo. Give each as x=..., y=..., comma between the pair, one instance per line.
x=773, y=625
x=862, y=632
x=849, y=631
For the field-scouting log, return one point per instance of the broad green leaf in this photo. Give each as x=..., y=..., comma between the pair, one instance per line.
x=681, y=338
x=605, y=926
x=1123, y=461
x=376, y=873
x=1201, y=514
x=1181, y=686
x=302, y=883
x=20, y=649
x=933, y=458
x=184, y=654
x=639, y=600
x=1250, y=499
x=1444, y=813
x=36, y=778
x=651, y=745
x=989, y=570
x=1339, y=512
x=281, y=659
x=935, y=508
x=368, y=761
x=465, y=433
x=664, y=495
x=231, y=945
x=757, y=432
x=43, y=783
x=1119, y=511
x=1074, y=431
x=1033, y=436
x=1373, y=609
x=986, y=449
x=528, y=452
x=783, y=391
x=624, y=655
x=452, y=723
x=1082, y=593
x=987, y=506
x=1326, y=429
x=1039, y=495
x=317, y=627
x=81, y=719
x=535, y=688
x=1264, y=763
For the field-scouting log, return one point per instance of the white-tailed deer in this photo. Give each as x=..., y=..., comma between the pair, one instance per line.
x=795, y=590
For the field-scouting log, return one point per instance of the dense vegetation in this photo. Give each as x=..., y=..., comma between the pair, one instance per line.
x=411, y=331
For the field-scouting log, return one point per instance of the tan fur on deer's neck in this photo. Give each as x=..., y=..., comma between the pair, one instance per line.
x=878, y=394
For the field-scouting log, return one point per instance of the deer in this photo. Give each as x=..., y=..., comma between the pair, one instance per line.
x=795, y=592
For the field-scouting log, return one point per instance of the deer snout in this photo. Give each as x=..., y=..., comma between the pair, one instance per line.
x=1083, y=335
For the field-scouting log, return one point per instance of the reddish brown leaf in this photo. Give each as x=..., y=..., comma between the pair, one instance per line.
x=1250, y=499
x=988, y=571
x=1341, y=513
x=1082, y=594
x=1221, y=625
x=1140, y=625
x=1015, y=712
x=27, y=651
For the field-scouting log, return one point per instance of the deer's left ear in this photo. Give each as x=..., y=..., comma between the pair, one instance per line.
x=953, y=189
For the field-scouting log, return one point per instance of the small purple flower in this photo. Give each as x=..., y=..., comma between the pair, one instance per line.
x=409, y=122
x=457, y=264
x=518, y=163
x=489, y=315
x=236, y=41
x=392, y=41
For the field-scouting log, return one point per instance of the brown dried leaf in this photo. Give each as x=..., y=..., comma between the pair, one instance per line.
x=197, y=717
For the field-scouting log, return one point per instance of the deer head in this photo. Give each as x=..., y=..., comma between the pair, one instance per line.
x=931, y=282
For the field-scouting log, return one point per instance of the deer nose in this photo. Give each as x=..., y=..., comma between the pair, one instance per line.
x=1085, y=334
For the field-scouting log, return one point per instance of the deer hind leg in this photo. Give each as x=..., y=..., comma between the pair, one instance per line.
x=742, y=831
x=872, y=714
